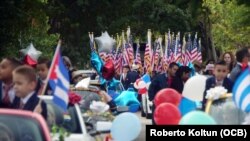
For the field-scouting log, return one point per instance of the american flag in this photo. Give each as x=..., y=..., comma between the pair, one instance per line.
x=148, y=54
x=199, y=55
x=138, y=57
x=171, y=50
x=118, y=61
x=189, y=49
x=185, y=59
x=112, y=54
x=126, y=54
x=177, y=51
x=158, y=55
x=194, y=49
x=147, y=57
x=104, y=56
x=130, y=51
x=167, y=51
x=129, y=47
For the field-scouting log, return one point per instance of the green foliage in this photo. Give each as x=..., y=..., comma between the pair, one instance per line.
x=74, y=19
x=23, y=22
x=59, y=132
x=229, y=27
x=42, y=22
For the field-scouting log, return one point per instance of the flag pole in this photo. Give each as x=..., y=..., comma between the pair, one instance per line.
x=50, y=70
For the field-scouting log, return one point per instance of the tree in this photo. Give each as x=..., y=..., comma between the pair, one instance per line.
x=74, y=19
x=23, y=22
x=230, y=28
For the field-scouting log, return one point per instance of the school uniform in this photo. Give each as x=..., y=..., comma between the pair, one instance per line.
x=212, y=82
x=29, y=103
x=125, y=81
x=7, y=95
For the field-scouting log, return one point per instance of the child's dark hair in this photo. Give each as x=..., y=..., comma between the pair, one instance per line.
x=221, y=62
x=14, y=61
x=240, y=54
x=44, y=60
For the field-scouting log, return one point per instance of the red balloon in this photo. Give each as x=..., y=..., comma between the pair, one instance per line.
x=167, y=95
x=167, y=114
x=108, y=70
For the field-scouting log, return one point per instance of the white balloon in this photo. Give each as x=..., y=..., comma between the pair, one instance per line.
x=32, y=52
x=194, y=88
x=105, y=42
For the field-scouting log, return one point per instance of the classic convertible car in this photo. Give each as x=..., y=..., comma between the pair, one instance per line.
x=20, y=125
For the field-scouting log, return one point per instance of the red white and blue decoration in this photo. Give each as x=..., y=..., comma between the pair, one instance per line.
x=30, y=55
x=59, y=81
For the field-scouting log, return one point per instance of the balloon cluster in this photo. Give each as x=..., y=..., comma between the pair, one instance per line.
x=106, y=70
x=171, y=108
x=166, y=102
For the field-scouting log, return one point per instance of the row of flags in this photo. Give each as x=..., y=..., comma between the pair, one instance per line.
x=58, y=77
x=156, y=56
x=123, y=54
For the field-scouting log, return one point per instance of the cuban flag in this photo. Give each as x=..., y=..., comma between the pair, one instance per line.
x=241, y=91
x=59, y=81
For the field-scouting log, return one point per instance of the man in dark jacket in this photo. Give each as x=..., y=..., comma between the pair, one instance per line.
x=124, y=77
x=133, y=75
x=162, y=81
x=242, y=57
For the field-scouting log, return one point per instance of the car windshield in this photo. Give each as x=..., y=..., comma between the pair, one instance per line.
x=68, y=120
x=20, y=128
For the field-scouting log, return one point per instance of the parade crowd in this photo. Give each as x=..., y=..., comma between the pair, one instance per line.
x=21, y=83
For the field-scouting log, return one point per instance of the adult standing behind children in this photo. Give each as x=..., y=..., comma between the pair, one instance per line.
x=160, y=82
x=7, y=93
x=229, y=58
x=25, y=81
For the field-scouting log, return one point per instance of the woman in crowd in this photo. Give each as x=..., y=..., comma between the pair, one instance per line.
x=229, y=58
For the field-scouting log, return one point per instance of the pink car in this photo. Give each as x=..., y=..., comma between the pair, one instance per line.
x=20, y=125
